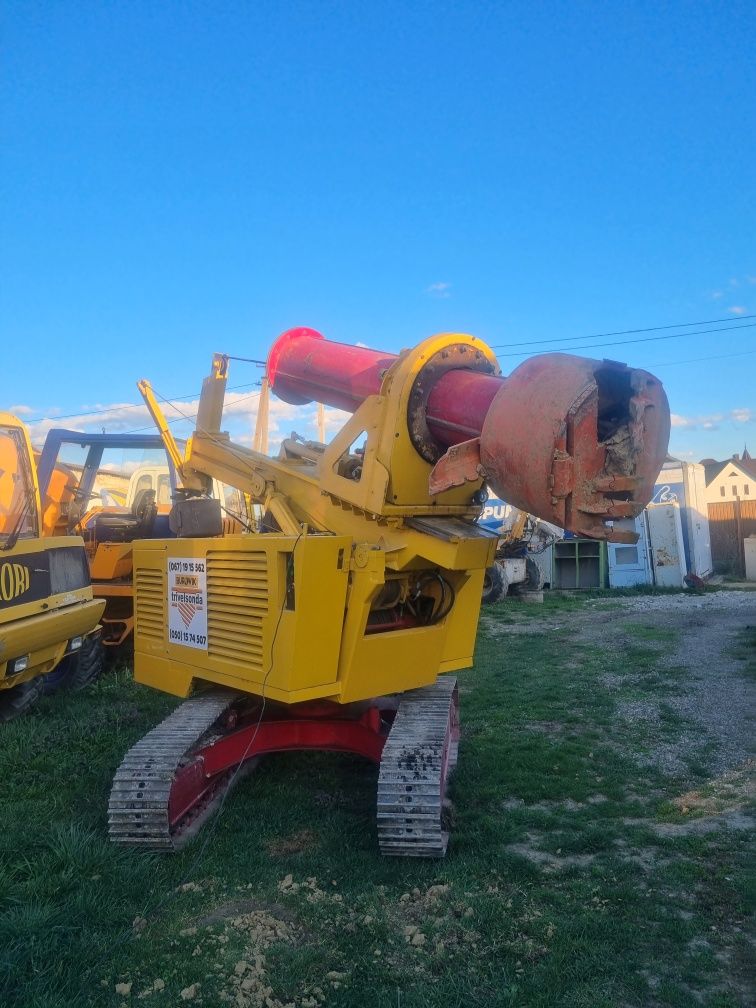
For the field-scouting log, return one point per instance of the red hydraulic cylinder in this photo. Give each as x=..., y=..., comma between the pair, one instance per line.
x=304, y=367
x=576, y=441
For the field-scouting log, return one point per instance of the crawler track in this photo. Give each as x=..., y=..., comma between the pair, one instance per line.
x=418, y=758
x=138, y=811
x=172, y=779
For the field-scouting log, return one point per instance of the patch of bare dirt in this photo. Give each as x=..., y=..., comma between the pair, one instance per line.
x=706, y=824
x=430, y=924
x=295, y=844
x=240, y=907
x=556, y=862
x=727, y=793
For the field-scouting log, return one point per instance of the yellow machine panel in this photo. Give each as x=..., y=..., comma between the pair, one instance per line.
x=290, y=617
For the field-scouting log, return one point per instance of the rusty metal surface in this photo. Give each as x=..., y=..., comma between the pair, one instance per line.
x=461, y=464
x=578, y=442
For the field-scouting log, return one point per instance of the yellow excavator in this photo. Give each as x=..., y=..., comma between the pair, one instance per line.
x=341, y=624
x=48, y=617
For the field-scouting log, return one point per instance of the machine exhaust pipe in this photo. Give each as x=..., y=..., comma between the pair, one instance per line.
x=574, y=441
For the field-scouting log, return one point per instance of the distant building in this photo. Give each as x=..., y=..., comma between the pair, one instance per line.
x=731, y=502
x=730, y=480
x=673, y=532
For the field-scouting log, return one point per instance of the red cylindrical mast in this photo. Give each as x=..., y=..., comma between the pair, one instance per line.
x=572, y=440
x=304, y=367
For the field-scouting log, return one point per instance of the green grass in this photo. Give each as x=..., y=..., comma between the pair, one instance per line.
x=560, y=888
x=745, y=650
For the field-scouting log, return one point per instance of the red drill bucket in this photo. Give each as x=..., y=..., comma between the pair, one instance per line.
x=578, y=442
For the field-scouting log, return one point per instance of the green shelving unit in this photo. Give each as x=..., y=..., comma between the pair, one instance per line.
x=579, y=563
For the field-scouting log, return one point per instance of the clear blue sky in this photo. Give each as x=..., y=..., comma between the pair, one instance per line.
x=179, y=178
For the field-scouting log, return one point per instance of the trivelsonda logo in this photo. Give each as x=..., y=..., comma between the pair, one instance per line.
x=14, y=580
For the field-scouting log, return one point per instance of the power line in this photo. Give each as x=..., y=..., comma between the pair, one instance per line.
x=247, y=360
x=623, y=332
x=643, y=339
x=694, y=360
x=125, y=406
x=185, y=416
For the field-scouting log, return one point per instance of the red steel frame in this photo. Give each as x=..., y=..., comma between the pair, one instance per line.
x=320, y=726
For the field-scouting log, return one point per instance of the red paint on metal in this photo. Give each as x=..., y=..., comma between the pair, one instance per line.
x=190, y=785
x=459, y=403
x=451, y=743
x=320, y=726
x=303, y=367
x=552, y=435
x=383, y=620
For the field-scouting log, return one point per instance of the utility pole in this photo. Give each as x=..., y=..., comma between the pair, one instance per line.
x=321, y=423
x=260, y=442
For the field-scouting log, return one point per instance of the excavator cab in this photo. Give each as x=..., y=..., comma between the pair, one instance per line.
x=18, y=510
x=47, y=612
x=114, y=490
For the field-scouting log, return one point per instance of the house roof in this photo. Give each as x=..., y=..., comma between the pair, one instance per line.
x=714, y=469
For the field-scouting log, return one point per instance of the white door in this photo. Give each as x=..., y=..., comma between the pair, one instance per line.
x=629, y=565
x=666, y=539
x=697, y=510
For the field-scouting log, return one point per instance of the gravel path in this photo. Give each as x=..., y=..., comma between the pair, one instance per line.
x=717, y=698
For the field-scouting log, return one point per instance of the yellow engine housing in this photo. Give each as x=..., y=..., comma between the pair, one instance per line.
x=287, y=616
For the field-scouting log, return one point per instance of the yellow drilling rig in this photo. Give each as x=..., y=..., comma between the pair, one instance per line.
x=340, y=624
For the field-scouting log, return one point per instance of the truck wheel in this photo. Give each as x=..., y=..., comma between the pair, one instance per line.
x=77, y=670
x=58, y=678
x=533, y=578
x=87, y=665
x=18, y=699
x=494, y=584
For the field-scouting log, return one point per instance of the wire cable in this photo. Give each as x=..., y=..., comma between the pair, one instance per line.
x=624, y=332
x=695, y=360
x=185, y=416
x=644, y=339
x=124, y=406
x=493, y=346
